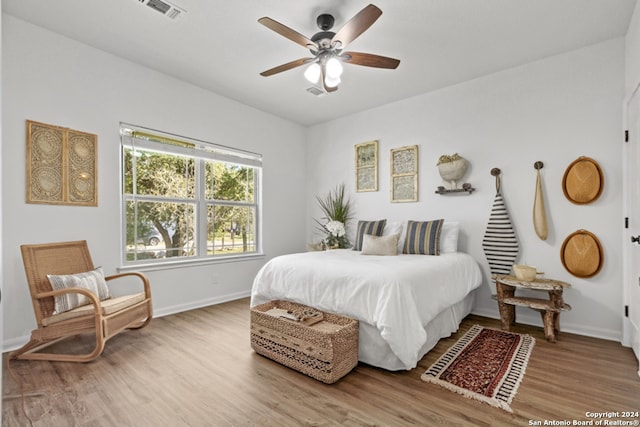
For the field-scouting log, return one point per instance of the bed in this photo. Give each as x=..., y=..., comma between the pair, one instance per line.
x=404, y=303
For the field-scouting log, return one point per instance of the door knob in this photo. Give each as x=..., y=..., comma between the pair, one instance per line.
x=635, y=239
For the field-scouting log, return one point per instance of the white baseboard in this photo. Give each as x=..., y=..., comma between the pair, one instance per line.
x=167, y=311
x=535, y=320
x=15, y=343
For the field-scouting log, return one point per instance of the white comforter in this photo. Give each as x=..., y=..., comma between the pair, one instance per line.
x=398, y=295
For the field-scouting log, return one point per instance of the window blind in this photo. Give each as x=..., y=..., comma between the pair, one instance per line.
x=148, y=139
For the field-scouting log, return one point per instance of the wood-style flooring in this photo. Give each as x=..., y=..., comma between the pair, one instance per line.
x=198, y=369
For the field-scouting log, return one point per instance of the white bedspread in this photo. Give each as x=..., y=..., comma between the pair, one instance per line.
x=398, y=295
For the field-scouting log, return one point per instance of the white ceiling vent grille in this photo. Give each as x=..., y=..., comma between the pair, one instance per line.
x=167, y=9
x=316, y=91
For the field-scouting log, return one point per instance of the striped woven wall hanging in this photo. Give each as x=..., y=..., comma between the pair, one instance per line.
x=500, y=242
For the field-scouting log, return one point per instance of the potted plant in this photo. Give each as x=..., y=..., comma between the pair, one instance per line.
x=336, y=208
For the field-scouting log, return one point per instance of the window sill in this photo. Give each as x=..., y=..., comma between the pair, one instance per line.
x=171, y=265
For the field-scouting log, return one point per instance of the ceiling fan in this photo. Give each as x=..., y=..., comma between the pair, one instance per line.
x=326, y=47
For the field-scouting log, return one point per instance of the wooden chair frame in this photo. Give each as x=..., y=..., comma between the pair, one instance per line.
x=70, y=258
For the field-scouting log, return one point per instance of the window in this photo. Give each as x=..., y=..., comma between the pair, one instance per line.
x=184, y=199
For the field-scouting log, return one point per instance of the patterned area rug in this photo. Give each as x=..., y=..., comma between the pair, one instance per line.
x=485, y=364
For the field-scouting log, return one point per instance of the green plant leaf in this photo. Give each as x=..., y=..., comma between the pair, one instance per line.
x=335, y=206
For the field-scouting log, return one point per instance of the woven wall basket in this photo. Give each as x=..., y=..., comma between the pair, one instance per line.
x=583, y=181
x=582, y=254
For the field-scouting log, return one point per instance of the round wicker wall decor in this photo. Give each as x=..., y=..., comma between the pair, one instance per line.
x=581, y=254
x=583, y=181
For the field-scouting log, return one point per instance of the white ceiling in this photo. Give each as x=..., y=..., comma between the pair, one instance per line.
x=220, y=46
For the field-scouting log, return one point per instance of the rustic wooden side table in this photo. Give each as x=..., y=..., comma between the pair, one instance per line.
x=549, y=309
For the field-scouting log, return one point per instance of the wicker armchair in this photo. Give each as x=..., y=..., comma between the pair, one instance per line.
x=104, y=318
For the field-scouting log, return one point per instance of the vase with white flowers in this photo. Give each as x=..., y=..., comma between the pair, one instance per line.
x=336, y=235
x=336, y=208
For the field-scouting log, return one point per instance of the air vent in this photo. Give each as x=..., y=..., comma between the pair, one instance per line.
x=316, y=91
x=167, y=9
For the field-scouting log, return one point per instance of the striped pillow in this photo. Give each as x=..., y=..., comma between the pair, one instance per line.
x=374, y=228
x=93, y=281
x=423, y=237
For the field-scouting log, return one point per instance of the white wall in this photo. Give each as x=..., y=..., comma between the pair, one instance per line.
x=1, y=264
x=553, y=110
x=632, y=54
x=55, y=80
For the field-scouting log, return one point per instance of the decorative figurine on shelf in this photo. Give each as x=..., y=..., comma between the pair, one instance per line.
x=452, y=169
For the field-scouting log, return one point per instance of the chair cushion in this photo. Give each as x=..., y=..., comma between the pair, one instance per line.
x=91, y=280
x=109, y=306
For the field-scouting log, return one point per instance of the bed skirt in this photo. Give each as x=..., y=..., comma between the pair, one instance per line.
x=375, y=351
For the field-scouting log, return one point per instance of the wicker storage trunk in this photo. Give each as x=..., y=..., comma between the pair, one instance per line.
x=326, y=350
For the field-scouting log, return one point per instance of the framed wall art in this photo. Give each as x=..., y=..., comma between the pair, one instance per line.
x=61, y=165
x=367, y=166
x=404, y=174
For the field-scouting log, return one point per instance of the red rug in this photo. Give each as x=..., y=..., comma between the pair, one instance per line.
x=485, y=364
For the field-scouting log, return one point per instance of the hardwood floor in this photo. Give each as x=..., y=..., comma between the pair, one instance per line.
x=198, y=369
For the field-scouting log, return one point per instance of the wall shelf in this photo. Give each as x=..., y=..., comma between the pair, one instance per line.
x=466, y=188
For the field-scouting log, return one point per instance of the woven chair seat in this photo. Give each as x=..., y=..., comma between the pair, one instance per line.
x=105, y=319
x=108, y=306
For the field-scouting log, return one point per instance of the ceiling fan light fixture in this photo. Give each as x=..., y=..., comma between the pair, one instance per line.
x=331, y=81
x=312, y=73
x=325, y=67
x=334, y=68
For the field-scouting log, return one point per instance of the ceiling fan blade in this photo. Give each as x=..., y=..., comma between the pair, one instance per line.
x=357, y=25
x=287, y=32
x=287, y=66
x=369, y=60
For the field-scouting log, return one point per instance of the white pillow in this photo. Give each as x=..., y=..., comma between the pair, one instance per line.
x=395, y=227
x=449, y=237
x=392, y=227
x=91, y=280
x=380, y=245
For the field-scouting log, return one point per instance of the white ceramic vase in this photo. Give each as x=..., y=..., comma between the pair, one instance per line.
x=453, y=171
